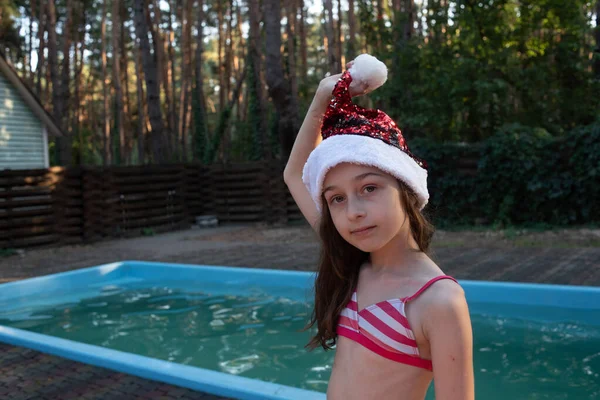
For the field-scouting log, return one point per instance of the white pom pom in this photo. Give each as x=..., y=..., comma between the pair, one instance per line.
x=369, y=70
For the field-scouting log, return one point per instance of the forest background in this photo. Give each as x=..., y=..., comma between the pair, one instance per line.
x=515, y=83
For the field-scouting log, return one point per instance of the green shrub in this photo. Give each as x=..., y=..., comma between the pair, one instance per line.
x=524, y=177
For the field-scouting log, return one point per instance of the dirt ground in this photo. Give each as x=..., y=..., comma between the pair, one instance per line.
x=464, y=238
x=268, y=246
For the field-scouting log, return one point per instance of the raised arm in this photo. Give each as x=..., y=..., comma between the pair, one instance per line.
x=307, y=139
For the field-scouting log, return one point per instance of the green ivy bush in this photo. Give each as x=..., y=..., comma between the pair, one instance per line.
x=524, y=177
x=583, y=160
x=451, y=190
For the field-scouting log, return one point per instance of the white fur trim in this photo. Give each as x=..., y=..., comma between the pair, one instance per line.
x=369, y=70
x=363, y=150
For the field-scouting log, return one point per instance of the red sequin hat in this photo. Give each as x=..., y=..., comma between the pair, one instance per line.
x=363, y=136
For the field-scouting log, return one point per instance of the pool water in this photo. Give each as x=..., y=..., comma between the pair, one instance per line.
x=257, y=335
x=524, y=359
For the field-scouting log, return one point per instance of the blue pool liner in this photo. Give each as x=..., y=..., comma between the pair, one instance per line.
x=549, y=303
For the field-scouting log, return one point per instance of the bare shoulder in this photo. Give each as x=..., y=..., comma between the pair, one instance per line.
x=444, y=308
x=443, y=291
x=444, y=295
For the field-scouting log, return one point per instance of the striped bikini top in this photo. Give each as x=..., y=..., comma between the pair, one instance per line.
x=384, y=329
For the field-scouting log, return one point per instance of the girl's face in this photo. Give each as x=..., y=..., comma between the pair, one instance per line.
x=365, y=206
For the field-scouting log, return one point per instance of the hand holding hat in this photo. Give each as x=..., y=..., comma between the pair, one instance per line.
x=368, y=73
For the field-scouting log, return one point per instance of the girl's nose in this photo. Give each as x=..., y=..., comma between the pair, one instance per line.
x=355, y=209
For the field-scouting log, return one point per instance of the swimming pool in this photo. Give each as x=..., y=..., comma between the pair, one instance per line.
x=236, y=331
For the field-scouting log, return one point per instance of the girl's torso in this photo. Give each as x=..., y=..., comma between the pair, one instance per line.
x=381, y=351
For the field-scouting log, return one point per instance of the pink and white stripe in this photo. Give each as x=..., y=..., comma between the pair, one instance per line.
x=384, y=328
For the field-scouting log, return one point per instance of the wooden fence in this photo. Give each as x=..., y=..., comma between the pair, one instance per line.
x=83, y=204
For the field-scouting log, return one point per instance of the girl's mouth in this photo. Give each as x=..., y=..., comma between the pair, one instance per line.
x=363, y=231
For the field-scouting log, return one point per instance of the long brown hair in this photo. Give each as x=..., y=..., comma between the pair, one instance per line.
x=339, y=265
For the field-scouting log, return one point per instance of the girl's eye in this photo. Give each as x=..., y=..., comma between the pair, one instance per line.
x=370, y=189
x=333, y=199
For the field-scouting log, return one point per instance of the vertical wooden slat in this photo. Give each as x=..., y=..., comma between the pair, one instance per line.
x=179, y=197
x=207, y=189
x=277, y=186
x=58, y=201
x=89, y=203
x=9, y=219
x=73, y=195
x=267, y=200
x=109, y=210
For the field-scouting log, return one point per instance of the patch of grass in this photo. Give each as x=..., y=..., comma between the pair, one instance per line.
x=525, y=242
x=513, y=230
x=148, y=232
x=7, y=252
x=449, y=243
x=463, y=228
x=593, y=243
x=510, y=233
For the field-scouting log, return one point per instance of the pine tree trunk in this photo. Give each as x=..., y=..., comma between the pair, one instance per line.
x=291, y=34
x=254, y=53
x=152, y=83
x=127, y=123
x=78, y=93
x=52, y=54
x=106, y=105
x=420, y=15
x=303, y=44
x=185, y=77
x=76, y=83
x=141, y=136
x=161, y=45
x=29, y=75
x=398, y=27
x=597, y=35
x=168, y=60
x=47, y=95
x=200, y=123
x=65, y=145
x=116, y=81
x=95, y=134
x=380, y=26
x=279, y=88
x=241, y=56
x=87, y=114
x=78, y=67
x=353, y=48
x=239, y=60
x=409, y=27
x=220, y=62
x=340, y=36
x=40, y=55
x=332, y=61
x=60, y=83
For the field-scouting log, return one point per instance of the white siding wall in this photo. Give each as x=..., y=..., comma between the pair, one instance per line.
x=22, y=141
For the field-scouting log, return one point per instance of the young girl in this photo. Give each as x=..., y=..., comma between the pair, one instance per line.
x=396, y=320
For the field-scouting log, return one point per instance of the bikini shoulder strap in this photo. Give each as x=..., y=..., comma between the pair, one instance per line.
x=425, y=286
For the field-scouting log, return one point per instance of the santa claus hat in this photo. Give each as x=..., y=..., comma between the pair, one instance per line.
x=362, y=136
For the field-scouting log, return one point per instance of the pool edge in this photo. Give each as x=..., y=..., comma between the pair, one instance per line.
x=195, y=378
